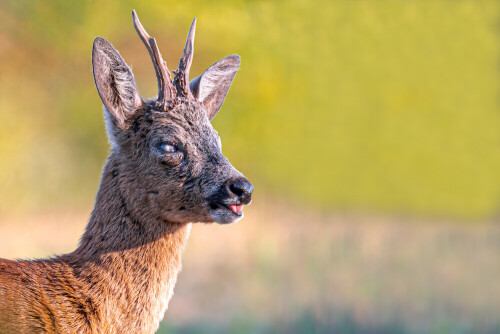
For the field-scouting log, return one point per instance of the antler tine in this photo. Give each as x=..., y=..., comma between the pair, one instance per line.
x=165, y=87
x=181, y=79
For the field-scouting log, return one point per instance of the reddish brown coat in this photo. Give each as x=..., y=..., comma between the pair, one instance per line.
x=166, y=169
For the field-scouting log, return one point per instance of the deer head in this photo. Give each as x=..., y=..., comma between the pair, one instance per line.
x=165, y=154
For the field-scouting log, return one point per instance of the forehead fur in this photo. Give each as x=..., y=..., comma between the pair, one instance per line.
x=186, y=112
x=188, y=119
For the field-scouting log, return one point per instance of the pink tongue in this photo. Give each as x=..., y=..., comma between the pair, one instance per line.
x=238, y=208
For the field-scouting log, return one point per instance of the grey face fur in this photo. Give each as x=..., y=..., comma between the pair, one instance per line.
x=166, y=156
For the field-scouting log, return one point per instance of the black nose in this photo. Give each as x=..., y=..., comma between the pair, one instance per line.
x=242, y=189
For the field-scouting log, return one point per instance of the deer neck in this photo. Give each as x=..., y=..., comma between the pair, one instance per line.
x=129, y=263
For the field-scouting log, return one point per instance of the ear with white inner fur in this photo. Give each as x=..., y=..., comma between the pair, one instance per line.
x=115, y=82
x=212, y=86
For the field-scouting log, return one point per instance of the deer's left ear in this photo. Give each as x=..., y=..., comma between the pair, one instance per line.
x=212, y=86
x=115, y=82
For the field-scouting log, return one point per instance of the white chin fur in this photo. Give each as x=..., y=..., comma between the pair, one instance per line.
x=225, y=218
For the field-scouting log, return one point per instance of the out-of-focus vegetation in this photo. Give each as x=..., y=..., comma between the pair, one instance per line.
x=286, y=270
x=387, y=106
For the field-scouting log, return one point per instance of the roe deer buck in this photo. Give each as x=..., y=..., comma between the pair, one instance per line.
x=165, y=170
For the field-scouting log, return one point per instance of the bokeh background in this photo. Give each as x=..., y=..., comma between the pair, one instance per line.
x=371, y=130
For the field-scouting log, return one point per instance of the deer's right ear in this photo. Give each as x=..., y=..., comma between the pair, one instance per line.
x=115, y=82
x=212, y=86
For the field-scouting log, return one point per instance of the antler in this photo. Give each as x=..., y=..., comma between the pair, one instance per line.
x=181, y=79
x=165, y=87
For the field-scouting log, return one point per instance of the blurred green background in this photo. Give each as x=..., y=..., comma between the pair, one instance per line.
x=376, y=122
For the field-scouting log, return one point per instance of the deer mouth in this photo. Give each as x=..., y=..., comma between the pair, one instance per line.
x=226, y=204
x=223, y=213
x=236, y=208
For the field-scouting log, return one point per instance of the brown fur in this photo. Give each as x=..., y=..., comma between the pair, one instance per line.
x=122, y=275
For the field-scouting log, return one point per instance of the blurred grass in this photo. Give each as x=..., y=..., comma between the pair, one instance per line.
x=284, y=270
x=387, y=106
x=289, y=270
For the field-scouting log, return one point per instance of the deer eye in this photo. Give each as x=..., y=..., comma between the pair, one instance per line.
x=168, y=148
x=169, y=153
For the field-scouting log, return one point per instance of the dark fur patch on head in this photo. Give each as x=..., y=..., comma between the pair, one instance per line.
x=136, y=126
